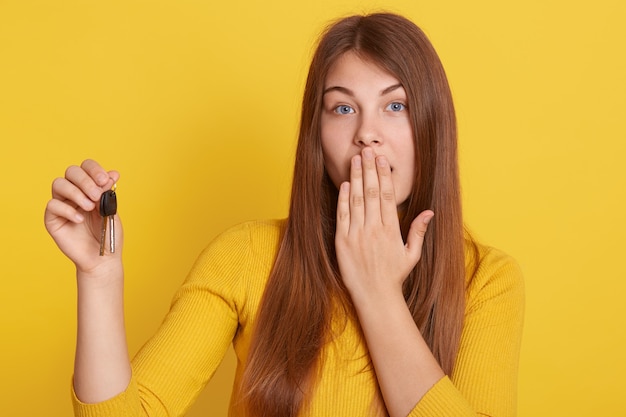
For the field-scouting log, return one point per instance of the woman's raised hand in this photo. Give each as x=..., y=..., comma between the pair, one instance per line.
x=101, y=368
x=374, y=262
x=373, y=259
x=73, y=219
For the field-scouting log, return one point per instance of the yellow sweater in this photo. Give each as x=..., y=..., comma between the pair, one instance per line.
x=217, y=304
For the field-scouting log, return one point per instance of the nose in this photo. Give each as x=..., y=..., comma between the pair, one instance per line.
x=368, y=132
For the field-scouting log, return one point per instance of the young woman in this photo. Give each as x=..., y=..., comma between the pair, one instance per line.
x=369, y=299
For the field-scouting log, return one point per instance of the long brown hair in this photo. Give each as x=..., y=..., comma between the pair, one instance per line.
x=293, y=322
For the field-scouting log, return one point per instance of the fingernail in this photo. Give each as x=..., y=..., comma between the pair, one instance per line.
x=79, y=217
x=87, y=204
x=381, y=161
x=102, y=178
x=356, y=161
x=428, y=219
x=367, y=153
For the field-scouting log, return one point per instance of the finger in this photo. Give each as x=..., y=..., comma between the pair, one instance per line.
x=98, y=174
x=104, y=179
x=356, y=191
x=68, y=193
x=415, y=238
x=371, y=188
x=57, y=209
x=343, y=209
x=84, y=182
x=388, y=207
x=91, y=178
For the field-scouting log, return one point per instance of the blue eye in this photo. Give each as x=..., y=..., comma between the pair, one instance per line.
x=395, y=106
x=344, y=109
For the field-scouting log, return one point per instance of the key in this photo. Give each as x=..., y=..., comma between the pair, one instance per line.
x=108, y=209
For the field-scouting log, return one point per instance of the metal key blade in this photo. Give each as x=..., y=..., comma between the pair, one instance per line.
x=103, y=234
x=112, y=233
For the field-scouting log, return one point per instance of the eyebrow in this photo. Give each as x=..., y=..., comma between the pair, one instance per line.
x=351, y=93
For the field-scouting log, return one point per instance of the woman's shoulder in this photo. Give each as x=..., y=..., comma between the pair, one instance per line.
x=490, y=270
x=251, y=233
x=242, y=253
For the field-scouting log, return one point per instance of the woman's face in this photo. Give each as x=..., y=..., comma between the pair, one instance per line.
x=366, y=106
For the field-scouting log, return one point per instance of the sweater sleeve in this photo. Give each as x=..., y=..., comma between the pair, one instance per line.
x=171, y=369
x=484, y=380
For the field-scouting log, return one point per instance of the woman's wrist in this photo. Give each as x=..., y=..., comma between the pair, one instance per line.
x=378, y=297
x=110, y=273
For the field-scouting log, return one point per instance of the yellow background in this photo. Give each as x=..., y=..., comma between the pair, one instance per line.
x=196, y=103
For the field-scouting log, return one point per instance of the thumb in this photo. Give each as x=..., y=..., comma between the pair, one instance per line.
x=415, y=238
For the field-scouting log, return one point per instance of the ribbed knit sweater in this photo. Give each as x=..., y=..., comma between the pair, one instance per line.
x=217, y=305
